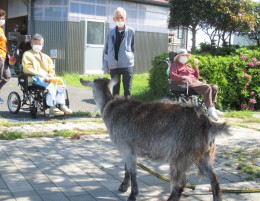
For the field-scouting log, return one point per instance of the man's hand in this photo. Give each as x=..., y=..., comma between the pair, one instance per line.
x=1, y=58
x=196, y=62
x=51, y=75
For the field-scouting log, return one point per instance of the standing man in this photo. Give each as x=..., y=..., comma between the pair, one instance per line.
x=118, y=55
x=5, y=74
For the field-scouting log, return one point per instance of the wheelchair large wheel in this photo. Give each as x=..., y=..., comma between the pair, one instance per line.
x=14, y=102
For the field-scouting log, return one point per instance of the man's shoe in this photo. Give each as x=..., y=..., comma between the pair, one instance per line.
x=1, y=101
x=66, y=110
x=219, y=113
x=55, y=112
x=212, y=113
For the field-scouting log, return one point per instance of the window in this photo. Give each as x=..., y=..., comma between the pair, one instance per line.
x=180, y=32
x=95, y=33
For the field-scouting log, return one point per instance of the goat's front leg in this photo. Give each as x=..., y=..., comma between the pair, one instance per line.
x=126, y=183
x=130, y=167
x=134, y=188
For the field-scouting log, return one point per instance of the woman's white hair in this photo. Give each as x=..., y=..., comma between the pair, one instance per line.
x=37, y=37
x=120, y=10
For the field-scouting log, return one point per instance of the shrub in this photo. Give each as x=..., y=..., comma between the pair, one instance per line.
x=206, y=48
x=158, y=80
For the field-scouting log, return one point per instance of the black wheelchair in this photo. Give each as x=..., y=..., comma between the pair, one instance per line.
x=184, y=94
x=33, y=98
x=179, y=92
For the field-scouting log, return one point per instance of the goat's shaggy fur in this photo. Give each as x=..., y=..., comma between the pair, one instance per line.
x=177, y=134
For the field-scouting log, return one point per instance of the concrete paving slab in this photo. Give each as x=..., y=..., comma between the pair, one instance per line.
x=2, y=183
x=5, y=194
x=27, y=196
x=46, y=188
x=82, y=198
x=16, y=182
x=54, y=197
x=35, y=178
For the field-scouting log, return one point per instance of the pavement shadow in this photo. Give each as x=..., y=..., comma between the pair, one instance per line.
x=91, y=101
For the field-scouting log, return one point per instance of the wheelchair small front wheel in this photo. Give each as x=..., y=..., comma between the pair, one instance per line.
x=33, y=112
x=67, y=101
x=14, y=102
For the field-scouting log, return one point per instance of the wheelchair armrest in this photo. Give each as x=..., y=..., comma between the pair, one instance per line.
x=176, y=86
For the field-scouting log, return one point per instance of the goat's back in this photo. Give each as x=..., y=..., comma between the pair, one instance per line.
x=158, y=131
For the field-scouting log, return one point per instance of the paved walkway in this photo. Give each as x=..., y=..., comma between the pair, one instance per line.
x=91, y=169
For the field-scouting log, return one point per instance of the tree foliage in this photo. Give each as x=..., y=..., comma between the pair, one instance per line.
x=219, y=19
x=231, y=16
x=254, y=33
x=187, y=14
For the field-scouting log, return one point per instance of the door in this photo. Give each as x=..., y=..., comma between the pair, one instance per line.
x=94, y=44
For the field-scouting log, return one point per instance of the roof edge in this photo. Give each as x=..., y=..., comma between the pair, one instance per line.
x=153, y=2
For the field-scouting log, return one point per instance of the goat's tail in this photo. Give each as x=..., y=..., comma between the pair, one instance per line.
x=218, y=128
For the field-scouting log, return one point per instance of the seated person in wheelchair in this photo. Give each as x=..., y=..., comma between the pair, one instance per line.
x=184, y=73
x=41, y=67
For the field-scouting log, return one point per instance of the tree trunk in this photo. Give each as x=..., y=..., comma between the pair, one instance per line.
x=193, y=31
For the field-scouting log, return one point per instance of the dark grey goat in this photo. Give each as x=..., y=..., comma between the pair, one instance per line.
x=180, y=135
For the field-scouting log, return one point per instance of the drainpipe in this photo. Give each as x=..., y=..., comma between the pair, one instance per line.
x=30, y=10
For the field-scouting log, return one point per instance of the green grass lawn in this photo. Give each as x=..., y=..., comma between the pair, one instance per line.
x=140, y=88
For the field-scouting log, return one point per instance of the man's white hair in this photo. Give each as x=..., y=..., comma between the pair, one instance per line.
x=120, y=10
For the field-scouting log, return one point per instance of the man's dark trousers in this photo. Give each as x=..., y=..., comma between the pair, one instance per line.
x=127, y=75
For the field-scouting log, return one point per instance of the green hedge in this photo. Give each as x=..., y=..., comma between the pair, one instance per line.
x=237, y=76
x=158, y=80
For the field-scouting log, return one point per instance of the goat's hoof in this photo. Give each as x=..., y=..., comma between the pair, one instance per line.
x=123, y=187
x=132, y=198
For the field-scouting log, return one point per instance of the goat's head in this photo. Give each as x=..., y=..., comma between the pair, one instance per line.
x=102, y=89
x=100, y=83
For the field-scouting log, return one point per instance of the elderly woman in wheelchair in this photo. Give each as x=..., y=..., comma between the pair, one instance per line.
x=181, y=72
x=41, y=67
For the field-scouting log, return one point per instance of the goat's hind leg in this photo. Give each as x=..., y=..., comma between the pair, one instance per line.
x=126, y=183
x=178, y=180
x=206, y=169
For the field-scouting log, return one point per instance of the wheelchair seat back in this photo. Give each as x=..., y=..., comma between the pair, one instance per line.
x=23, y=82
x=27, y=84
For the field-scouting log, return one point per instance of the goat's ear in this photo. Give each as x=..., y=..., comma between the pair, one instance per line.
x=113, y=81
x=86, y=83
